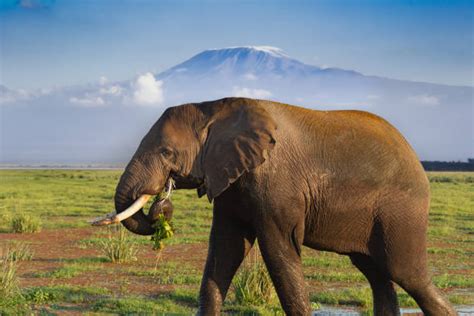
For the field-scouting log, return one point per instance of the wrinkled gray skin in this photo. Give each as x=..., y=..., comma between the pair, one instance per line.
x=341, y=181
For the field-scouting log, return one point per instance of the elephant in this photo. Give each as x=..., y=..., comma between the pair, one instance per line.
x=343, y=181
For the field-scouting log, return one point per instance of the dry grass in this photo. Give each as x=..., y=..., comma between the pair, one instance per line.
x=117, y=247
x=8, y=276
x=23, y=223
x=17, y=251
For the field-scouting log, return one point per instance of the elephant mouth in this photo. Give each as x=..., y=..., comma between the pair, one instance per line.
x=161, y=205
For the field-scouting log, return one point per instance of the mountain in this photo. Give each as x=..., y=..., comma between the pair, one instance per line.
x=250, y=71
x=86, y=124
x=245, y=62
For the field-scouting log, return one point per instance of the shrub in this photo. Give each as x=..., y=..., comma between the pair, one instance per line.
x=25, y=224
x=252, y=285
x=118, y=247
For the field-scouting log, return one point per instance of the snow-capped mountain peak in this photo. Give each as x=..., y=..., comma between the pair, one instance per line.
x=236, y=61
x=275, y=51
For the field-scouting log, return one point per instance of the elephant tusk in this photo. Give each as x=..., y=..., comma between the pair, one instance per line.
x=114, y=218
x=104, y=220
x=132, y=209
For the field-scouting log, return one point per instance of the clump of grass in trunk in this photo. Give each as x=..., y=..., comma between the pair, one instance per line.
x=163, y=230
x=118, y=247
x=25, y=224
x=252, y=284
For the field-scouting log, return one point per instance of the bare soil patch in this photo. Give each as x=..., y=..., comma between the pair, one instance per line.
x=55, y=248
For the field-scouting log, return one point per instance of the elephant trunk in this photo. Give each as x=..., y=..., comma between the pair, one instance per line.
x=138, y=223
x=135, y=184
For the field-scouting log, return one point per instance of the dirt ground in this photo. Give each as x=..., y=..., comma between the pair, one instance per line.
x=53, y=248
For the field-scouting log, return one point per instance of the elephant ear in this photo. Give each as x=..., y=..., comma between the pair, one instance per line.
x=237, y=141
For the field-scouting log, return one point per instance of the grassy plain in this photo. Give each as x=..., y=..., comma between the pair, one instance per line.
x=68, y=272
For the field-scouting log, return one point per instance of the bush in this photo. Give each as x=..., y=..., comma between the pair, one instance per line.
x=25, y=224
x=117, y=247
x=252, y=285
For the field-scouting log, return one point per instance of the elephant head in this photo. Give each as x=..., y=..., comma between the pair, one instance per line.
x=207, y=146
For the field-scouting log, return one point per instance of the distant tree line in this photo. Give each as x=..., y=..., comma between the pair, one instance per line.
x=449, y=165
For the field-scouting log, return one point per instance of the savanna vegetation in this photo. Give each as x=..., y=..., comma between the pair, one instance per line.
x=53, y=262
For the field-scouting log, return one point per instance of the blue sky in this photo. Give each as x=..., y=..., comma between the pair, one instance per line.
x=46, y=43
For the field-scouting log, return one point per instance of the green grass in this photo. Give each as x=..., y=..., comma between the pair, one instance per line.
x=164, y=273
x=118, y=247
x=62, y=198
x=8, y=277
x=338, y=276
x=68, y=271
x=445, y=281
x=92, y=299
x=65, y=199
x=325, y=260
x=173, y=304
x=361, y=297
x=63, y=293
x=16, y=251
x=22, y=223
x=252, y=284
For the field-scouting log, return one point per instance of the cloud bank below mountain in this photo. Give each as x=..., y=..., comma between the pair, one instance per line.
x=82, y=124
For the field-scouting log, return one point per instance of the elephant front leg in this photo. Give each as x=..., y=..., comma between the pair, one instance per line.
x=228, y=245
x=281, y=253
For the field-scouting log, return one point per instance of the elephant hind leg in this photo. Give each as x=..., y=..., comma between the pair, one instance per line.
x=427, y=296
x=403, y=255
x=383, y=293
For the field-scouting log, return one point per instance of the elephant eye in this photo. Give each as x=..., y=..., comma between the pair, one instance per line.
x=165, y=152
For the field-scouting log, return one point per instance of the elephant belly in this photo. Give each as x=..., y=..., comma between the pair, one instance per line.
x=341, y=231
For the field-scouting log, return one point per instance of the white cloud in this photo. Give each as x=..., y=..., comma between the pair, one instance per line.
x=148, y=90
x=47, y=91
x=103, y=80
x=13, y=95
x=250, y=76
x=101, y=94
x=424, y=99
x=115, y=90
x=251, y=93
x=7, y=99
x=88, y=101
